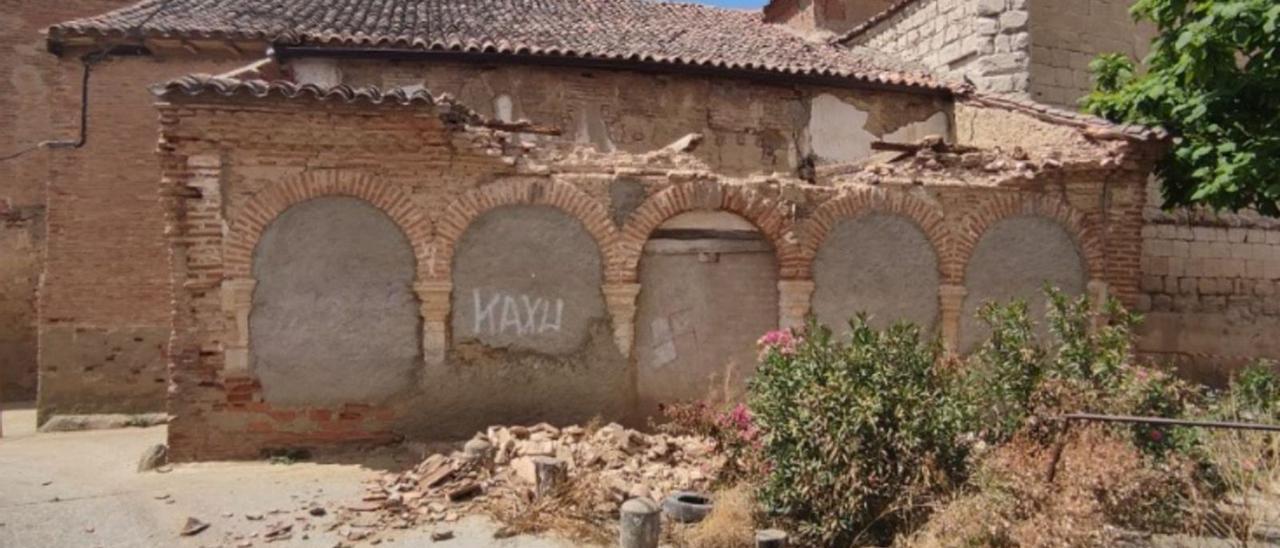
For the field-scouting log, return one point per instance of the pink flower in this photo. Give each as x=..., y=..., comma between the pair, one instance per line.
x=781, y=340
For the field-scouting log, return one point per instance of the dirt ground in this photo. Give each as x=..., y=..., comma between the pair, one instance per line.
x=81, y=489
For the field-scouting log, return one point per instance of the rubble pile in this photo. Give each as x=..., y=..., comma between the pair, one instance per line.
x=510, y=471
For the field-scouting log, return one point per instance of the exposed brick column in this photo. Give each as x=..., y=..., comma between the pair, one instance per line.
x=951, y=304
x=621, y=300
x=237, y=303
x=795, y=300
x=436, y=307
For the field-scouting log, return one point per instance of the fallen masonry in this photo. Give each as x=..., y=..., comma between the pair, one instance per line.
x=538, y=478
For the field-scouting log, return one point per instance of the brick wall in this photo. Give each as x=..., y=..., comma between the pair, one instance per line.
x=1067, y=36
x=985, y=41
x=231, y=166
x=27, y=77
x=104, y=318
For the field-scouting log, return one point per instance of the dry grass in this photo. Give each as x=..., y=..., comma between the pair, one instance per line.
x=1102, y=482
x=730, y=525
x=1248, y=464
x=572, y=512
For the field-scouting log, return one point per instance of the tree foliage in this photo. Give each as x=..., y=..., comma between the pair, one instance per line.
x=1213, y=80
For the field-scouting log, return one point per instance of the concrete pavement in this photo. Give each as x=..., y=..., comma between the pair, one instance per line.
x=81, y=490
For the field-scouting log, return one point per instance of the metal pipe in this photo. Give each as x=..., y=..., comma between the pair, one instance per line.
x=1093, y=417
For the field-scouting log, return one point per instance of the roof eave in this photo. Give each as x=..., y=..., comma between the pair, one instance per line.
x=764, y=75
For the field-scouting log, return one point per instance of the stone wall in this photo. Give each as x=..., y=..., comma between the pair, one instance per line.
x=983, y=41
x=823, y=15
x=1211, y=286
x=105, y=300
x=1067, y=36
x=232, y=166
x=27, y=78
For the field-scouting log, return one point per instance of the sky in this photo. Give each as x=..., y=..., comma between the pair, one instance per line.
x=753, y=4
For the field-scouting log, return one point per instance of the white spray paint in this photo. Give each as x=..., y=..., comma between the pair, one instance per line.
x=521, y=315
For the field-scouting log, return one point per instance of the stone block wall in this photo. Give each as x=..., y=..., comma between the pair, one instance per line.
x=232, y=166
x=1067, y=36
x=27, y=78
x=984, y=41
x=1211, y=290
x=836, y=16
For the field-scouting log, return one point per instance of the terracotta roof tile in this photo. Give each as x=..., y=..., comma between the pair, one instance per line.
x=640, y=31
x=226, y=86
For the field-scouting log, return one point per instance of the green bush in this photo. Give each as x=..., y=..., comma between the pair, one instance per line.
x=1003, y=375
x=860, y=435
x=1256, y=392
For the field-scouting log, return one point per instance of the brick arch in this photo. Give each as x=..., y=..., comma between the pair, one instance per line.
x=567, y=198
x=760, y=210
x=865, y=201
x=248, y=225
x=1088, y=240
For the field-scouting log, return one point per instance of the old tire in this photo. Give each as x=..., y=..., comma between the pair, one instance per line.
x=687, y=506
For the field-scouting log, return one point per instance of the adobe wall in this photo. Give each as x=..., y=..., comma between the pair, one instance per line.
x=749, y=127
x=27, y=77
x=468, y=200
x=104, y=318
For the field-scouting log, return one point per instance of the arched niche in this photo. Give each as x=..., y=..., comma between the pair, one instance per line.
x=880, y=264
x=527, y=278
x=708, y=291
x=1015, y=258
x=334, y=316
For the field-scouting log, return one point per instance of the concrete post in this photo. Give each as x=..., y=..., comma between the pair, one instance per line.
x=951, y=305
x=620, y=298
x=1098, y=292
x=795, y=301
x=771, y=538
x=237, y=304
x=436, y=307
x=641, y=524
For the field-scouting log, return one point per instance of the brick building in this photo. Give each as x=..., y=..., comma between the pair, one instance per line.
x=415, y=218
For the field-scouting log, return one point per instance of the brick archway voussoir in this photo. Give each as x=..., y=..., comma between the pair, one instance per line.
x=1088, y=240
x=759, y=210
x=569, y=199
x=248, y=226
x=929, y=218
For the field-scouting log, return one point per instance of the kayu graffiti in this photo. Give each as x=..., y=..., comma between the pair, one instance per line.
x=522, y=315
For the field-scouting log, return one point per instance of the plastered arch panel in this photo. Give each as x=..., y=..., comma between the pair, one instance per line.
x=880, y=264
x=334, y=317
x=527, y=278
x=708, y=291
x=1014, y=259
